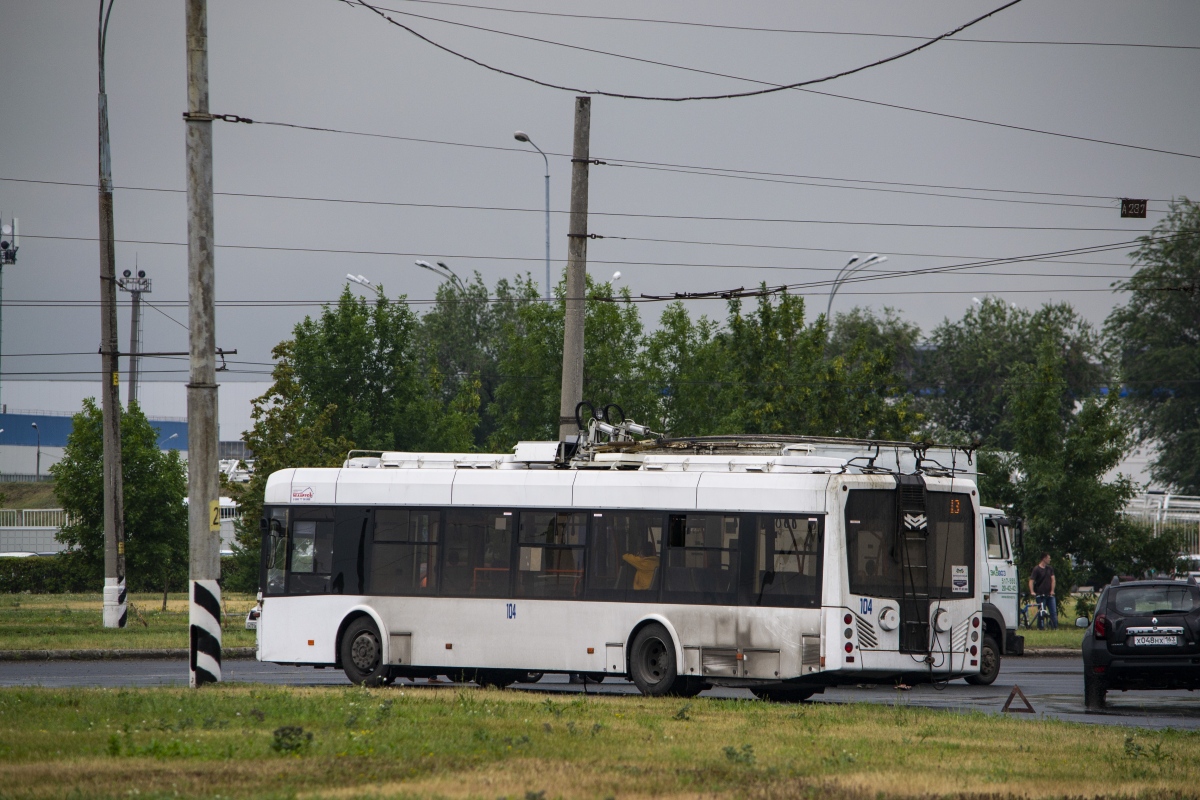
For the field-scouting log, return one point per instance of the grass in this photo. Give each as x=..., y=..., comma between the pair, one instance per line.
x=332, y=742
x=28, y=495
x=1065, y=636
x=73, y=622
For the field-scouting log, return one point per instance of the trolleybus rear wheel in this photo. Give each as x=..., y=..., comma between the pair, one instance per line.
x=782, y=694
x=362, y=654
x=989, y=663
x=652, y=662
x=497, y=678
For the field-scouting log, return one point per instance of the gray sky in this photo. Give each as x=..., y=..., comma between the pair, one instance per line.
x=322, y=63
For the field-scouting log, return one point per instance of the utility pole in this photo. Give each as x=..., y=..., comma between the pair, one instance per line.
x=110, y=377
x=9, y=244
x=136, y=286
x=572, y=369
x=204, y=523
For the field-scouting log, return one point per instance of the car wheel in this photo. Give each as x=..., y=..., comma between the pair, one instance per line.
x=989, y=663
x=1094, y=692
x=652, y=661
x=362, y=653
x=782, y=694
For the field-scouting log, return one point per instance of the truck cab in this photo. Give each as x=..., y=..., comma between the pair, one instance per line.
x=1001, y=592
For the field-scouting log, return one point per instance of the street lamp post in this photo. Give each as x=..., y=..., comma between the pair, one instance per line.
x=844, y=274
x=38, y=464
x=445, y=273
x=522, y=136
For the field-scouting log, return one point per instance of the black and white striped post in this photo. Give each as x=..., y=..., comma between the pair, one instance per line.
x=204, y=522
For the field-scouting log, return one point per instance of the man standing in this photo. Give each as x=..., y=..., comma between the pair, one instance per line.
x=1041, y=586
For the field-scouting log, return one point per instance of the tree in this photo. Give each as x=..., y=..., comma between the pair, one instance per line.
x=1056, y=472
x=286, y=433
x=889, y=333
x=1157, y=337
x=966, y=369
x=155, y=484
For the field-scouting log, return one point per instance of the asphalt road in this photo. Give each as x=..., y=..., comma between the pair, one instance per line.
x=1054, y=686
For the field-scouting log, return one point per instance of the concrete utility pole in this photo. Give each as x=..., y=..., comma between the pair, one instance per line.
x=572, y=369
x=204, y=523
x=136, y=286
x=110, y=376
x=9, y=245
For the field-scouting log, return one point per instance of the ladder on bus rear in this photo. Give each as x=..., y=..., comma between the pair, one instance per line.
x=913, y=538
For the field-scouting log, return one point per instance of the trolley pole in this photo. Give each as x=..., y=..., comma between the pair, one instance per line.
x=576, y=303
x=204, y=524
x=114, y=609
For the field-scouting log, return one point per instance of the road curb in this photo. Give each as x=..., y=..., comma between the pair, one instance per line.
x=229, y=653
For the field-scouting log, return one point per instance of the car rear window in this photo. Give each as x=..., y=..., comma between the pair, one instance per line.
x=1155, y=599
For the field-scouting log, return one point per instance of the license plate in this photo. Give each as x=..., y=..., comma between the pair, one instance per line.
x=1155, y=641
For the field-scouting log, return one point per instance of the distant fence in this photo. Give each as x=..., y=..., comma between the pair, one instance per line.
x=33, y=517
x=1169, y=513
x=23, y=477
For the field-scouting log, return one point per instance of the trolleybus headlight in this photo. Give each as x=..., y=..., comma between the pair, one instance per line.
x=942, y=621
x=888, y=619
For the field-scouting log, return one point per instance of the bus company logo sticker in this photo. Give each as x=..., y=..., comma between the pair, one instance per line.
x=959, y=581
x=915, y=522
x=302, y=495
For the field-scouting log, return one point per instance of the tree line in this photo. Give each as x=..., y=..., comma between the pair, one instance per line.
x=1053, y=402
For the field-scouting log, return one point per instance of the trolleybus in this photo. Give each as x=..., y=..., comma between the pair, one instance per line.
x=783, y=565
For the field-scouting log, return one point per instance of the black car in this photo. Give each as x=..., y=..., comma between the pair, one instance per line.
x=1145, y=635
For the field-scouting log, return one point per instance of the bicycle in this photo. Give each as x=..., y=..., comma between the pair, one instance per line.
x=1039, y=620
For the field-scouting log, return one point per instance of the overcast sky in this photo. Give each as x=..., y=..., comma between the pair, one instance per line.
x=324, y=63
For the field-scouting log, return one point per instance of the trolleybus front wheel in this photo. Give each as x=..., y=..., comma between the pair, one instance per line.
x=782, y=694
x=362, y=653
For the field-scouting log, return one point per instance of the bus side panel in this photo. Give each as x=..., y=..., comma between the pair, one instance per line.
x=302, y=629
x=540, y=488
x=758, y=492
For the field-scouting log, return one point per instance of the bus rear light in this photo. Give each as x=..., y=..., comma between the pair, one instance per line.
x=974, y=650
x=849, y=659
x=849, y=633
x=1100, y=629
x=849, y=647
x=975, y=622
x=974, y=662
x=847, y=619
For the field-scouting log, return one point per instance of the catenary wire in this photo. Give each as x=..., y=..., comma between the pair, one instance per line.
x=752, y=29
x=771, y=88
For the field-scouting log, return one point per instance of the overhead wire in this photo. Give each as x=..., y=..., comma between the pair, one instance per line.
x=772, y=88
x=753, y=29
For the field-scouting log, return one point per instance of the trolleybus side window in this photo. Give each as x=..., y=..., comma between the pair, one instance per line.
x=624, y=555
x=952, y=544
x=310, y=552
x=404, y=547
x=788, y=572
x=702, y=558
x=478, y=552
x=871, y=548
x=550, y=559
x=275, y=545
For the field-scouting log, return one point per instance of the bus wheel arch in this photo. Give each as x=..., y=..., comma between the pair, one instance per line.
x=642, y=623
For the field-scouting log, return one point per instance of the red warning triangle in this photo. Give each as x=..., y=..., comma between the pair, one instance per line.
x=1008, y=704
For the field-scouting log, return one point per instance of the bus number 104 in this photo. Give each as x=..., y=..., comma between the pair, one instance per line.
x=511, y=610
x=864, y=605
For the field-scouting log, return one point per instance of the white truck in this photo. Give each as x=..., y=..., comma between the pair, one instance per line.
x=1000, y=595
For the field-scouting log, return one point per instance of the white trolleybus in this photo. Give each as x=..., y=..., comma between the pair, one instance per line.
x=783, y=564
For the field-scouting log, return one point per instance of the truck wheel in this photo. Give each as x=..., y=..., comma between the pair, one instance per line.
x=1094, y=692
x=362, y=653
x=782, y=694
x=652, y=661
x=989, y=663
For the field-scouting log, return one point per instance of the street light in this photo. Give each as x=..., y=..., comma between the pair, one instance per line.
x=522, y=136
x=38, y=467
x=360, y=280
x=844, y=274
x=445, y=273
